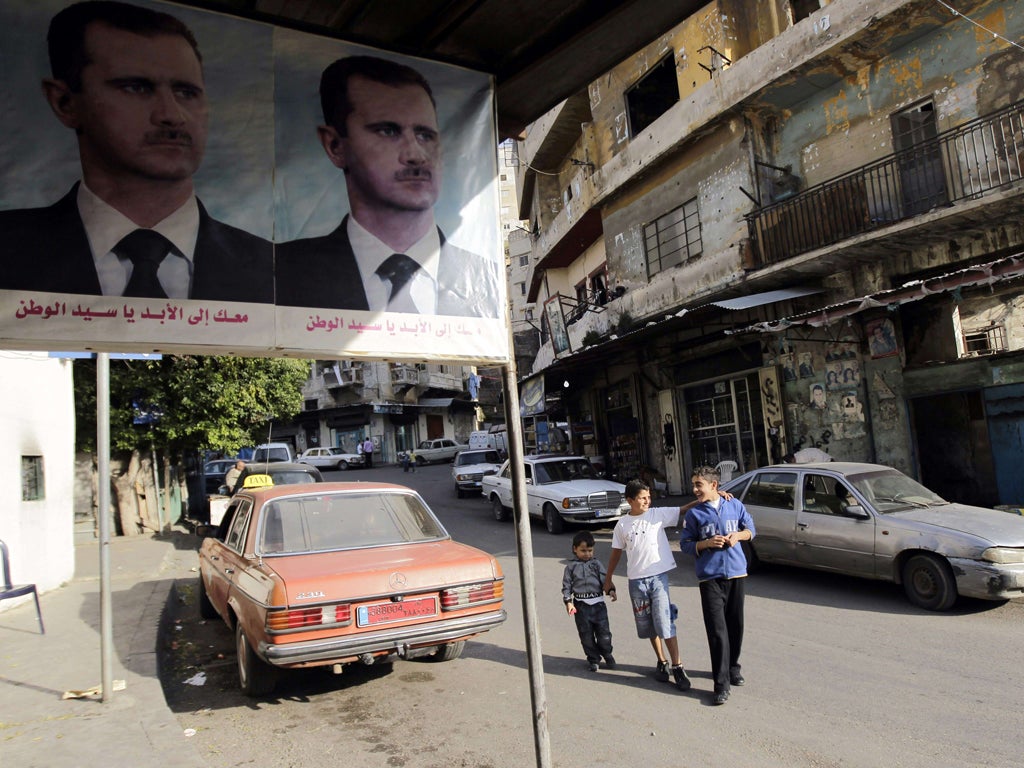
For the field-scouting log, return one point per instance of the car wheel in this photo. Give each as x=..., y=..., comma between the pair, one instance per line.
x=206, y=609
x=929, y=583
x=449, y=651
x=553, y=520
x=459, y=492
x=342, y=465
x=420, y=461
x=499, y=509
x=255, y=676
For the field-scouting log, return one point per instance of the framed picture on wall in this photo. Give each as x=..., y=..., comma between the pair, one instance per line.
x=881, y=337
x=556, y=324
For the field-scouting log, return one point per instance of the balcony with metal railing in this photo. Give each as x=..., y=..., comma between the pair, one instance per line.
x=339, y=375
x=981, y=156
x=404, y=375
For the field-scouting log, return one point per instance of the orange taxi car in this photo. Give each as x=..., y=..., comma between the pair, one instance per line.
x=340, y=573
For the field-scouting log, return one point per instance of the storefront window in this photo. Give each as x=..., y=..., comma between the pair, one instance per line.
x=623, y=433
x=722, y=420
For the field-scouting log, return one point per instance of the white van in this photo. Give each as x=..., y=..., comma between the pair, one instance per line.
x=273, y=452
x=494, y=438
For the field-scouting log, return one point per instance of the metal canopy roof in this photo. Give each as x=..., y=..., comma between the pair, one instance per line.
x=540, y=51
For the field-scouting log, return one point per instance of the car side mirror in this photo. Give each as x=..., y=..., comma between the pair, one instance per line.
x=856, y=511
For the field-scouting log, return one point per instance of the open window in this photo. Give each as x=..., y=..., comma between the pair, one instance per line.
x=652, y=95
x=803, y=8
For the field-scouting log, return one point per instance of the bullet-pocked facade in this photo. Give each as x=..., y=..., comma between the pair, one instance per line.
x=781, y=225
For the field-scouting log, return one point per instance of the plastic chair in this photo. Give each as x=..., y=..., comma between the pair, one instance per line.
x=17, y=590
x=725, y=470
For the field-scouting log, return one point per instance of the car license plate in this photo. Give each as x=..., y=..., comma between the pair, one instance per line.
x=385, y=613
x=604, y=512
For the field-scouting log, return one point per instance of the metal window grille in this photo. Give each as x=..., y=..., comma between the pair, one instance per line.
x=673, y=238
x=984, y=341
x=33, y=483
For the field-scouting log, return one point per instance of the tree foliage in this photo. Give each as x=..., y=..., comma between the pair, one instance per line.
x=198, y=402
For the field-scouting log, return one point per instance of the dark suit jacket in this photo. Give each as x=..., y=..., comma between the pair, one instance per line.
x=322, y=272
x=46, y=249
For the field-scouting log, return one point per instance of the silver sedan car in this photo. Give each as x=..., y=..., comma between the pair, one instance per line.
x=873, y=521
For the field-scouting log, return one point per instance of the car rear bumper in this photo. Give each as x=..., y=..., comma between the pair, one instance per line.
x=988, y=581
x=395, y=639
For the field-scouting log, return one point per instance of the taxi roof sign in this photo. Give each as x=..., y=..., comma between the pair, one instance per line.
x=258, y=481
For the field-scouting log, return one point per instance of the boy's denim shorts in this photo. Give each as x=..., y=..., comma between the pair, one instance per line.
x=653, y=613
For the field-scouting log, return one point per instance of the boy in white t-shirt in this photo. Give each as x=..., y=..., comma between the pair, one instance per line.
x=641, y=534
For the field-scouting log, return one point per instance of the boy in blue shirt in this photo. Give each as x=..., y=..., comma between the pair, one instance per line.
x=712, y=532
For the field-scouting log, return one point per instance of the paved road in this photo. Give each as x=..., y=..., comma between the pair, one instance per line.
x=841, y=672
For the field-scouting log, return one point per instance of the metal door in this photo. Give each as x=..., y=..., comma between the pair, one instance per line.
x=1004, y=407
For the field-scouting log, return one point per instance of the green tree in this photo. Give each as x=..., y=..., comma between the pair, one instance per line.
x=177, y=404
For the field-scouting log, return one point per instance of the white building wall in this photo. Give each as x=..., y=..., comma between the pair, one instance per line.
x=37, y=418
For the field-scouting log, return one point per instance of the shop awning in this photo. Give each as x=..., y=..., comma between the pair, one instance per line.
x=672, y=320
x=760, y=299
x=434, y=402
x=989, y=273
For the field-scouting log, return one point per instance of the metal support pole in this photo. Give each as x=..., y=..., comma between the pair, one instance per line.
x=527, y=581
x=103, y=468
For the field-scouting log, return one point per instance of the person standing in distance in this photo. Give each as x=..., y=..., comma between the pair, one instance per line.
x=368, y=452
x=231, y=478
x=712, y=532
x=129, y=82
x=388, y=254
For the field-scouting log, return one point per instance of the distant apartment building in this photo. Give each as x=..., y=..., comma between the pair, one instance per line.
x=397, y=405
x=790, y=224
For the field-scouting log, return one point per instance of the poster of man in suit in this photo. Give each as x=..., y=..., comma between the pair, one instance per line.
x=165, y=158
x=127, y=82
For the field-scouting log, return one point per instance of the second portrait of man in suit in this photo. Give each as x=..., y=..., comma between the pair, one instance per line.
x=388, y=254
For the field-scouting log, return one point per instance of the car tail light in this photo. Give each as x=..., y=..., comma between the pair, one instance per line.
x=311, y=617
x=471, y=594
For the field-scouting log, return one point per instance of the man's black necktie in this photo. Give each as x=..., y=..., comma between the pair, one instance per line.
x=398, y=269
x=146, y=249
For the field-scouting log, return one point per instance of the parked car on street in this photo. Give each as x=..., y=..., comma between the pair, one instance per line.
x=273, y=452
x=330, y=458
x=470, y=467
x=214, y=471
x=431, y=451
x=342, y=573
x=560, y=490
x=873, y=521
x=279, y=472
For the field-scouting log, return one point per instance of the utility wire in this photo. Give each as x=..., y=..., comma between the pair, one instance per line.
x=955, y=12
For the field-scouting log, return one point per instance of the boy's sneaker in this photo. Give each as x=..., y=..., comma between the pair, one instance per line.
x=609, y=662
x=682, y=681
x=661, y=672
x=592, y=666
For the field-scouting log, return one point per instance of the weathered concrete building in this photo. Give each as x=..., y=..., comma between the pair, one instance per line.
x=779, y=226
x=396, y=404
